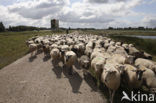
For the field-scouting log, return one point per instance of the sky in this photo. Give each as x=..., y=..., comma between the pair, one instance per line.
x=79, y=13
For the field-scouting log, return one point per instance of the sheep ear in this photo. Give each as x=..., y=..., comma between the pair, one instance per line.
x=144, y=70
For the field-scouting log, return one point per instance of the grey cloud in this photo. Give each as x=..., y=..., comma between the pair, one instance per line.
x=39, y=11
x=74, y=18
x=152, y=23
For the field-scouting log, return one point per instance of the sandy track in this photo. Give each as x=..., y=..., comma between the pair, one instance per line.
x=37, y=81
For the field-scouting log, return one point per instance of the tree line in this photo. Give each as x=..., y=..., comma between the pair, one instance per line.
x=31, y=28
x=20, y=28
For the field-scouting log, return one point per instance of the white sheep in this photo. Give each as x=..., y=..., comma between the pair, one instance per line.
x=111, y=78
x=147, y=63
x=55, y=54
x=70, y=59
x=132, y=76
x=149, y=77
x=32, y=48
x=97, y=65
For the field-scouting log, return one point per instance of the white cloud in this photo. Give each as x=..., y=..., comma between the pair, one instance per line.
x=88, y=13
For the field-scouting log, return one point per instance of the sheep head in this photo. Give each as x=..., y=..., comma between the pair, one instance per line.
x=139, y=73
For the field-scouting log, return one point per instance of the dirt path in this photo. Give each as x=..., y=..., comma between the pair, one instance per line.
x=37, y=81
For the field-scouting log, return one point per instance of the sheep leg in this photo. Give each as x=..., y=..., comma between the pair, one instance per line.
x=112, y=97
x=70, y=71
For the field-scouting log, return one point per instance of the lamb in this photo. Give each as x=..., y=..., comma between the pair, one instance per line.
x=147, y=63
x=133, y=76
x=70, y=59
x=111, y=78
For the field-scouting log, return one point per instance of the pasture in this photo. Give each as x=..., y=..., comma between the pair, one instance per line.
x=13, y=47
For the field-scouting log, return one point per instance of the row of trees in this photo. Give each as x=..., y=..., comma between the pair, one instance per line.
x=20, y=28
x=30, y=28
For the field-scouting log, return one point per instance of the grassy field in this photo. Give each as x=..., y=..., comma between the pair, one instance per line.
x=148, y=45
x=13, y=47
x=121, y=32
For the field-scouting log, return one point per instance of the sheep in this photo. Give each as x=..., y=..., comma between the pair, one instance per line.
x=147, y=63
x=147, y=56
x=97, y=52
x=120, y=50
x=97, y=65
x=89, y=48
x=135, y=52
x=29, y=42
x=149, y=78
x=111, y=78
x=46, y=50
x=133, y=76
x=32, y=48
x=111, y=49
x=126, y=46
x=70, y=59
x=118, y=44
x=112, y=43
x=55, y=54
x=84, y=62
x=121, y=59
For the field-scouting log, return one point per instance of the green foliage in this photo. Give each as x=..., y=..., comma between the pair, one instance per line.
x=2, y=28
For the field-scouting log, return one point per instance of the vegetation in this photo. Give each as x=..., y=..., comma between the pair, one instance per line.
x=147, y=45
x=120, y=32
x=12, y=45
x=2, y=28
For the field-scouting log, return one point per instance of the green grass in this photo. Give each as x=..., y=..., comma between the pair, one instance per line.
x=121, y=32
x=13, y=47
x=148, y=45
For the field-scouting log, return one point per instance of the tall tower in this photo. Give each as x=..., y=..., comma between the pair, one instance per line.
x=54, y=24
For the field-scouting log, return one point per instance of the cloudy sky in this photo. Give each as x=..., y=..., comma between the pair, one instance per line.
x=79, y=13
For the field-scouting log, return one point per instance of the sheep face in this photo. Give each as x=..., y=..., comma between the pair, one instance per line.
x=67, y=57
x=109, y=73
x=86, y=63
x=139, y=74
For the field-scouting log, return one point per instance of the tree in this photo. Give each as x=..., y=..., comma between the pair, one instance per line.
x=2, y=28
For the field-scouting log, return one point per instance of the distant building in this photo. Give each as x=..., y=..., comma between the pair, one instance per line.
x=54, y=24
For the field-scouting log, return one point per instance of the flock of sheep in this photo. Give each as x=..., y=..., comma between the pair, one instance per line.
x=113, y=62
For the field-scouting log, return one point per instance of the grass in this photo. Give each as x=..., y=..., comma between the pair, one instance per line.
x=121, y=32
x=12, y=45
x=148, y=45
